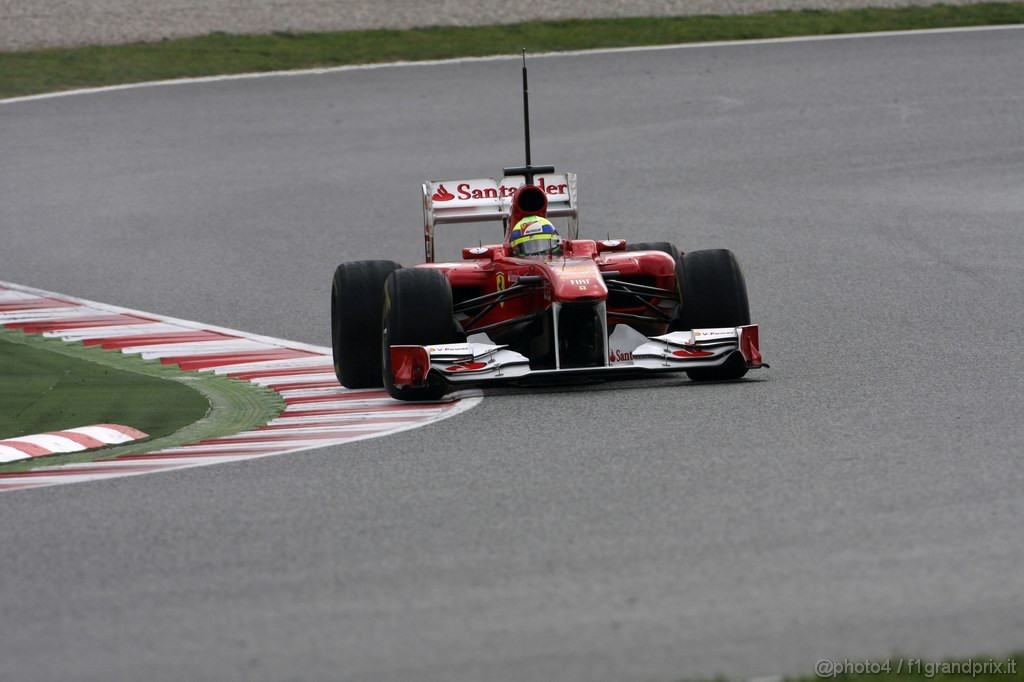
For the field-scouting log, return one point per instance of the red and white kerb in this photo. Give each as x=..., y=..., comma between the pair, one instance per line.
x=70, y=440
x=318, y=411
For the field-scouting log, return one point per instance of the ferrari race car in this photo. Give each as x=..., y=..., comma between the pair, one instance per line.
x=583, y=308
x=599, y=308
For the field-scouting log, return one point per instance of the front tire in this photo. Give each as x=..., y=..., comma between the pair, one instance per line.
x=417, y=312
x=357, y=300
x=664, y=247
x=714, y=295
x=672, y=250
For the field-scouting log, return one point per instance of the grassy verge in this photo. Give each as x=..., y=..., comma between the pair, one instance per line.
x=46, y=391
x=30, y=72
x=49, y=385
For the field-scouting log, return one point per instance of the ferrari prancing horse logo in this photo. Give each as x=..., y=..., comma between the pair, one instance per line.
x=500, y=281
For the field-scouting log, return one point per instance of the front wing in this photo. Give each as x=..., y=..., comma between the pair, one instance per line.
x=478, y=364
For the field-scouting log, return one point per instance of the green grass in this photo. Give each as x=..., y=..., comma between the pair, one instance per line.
x=30, y=72
x=46, y=391
x=48, y=385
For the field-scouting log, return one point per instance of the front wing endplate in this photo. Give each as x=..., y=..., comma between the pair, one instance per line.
x=473, y=363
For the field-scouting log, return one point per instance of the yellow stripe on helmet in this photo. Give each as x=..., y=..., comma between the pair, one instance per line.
x=531, y=237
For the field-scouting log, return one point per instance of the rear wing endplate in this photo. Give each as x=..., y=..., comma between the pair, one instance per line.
x=485, y=199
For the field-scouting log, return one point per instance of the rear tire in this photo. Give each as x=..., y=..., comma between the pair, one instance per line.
x=672, y=250
x=357, y=302
x=417, y=312
x=714, y=295
x=664, y=247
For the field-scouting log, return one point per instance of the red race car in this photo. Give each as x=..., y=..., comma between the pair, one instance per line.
x=536, y=306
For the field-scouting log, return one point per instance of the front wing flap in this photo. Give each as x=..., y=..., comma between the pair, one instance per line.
x=476, y=363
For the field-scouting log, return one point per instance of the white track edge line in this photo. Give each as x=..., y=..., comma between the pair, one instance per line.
x=463, y=399
x=188, y=324
x=465, y=402
x=506, y=57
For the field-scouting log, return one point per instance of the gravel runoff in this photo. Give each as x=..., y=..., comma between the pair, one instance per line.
x=27, y=24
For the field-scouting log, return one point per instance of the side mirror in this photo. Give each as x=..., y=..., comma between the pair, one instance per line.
x=581, y=248
x=611, y=245
x=478, y=252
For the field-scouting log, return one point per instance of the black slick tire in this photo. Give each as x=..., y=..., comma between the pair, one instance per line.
x=417, y=312
x=357, y=303
x=664, y=247
x=672, y=250
x=714, y=295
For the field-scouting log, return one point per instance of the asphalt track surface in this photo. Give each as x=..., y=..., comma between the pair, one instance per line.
x=860, y=497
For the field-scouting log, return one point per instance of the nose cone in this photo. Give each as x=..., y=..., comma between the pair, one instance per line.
x=576, y=280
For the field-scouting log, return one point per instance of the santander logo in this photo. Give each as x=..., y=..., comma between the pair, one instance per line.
x=686, y=353
x=442, y=194
x=466, y=367
x=487, y=189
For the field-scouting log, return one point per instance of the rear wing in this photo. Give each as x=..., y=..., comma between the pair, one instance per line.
x=485, y=199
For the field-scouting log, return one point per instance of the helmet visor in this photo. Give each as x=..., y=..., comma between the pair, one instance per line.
x=535, y=245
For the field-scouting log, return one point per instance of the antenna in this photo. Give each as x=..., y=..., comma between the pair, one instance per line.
x=526, y=116
x=529, y=170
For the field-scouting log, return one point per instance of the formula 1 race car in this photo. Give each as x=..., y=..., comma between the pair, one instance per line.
x=506, y=315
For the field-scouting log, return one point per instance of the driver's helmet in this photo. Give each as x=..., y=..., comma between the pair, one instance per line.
x=535, y=236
